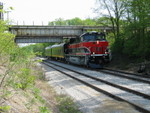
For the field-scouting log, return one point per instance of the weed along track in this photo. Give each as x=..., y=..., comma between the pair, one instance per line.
x=121, y=89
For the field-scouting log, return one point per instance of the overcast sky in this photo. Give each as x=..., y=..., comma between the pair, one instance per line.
x=48, y=10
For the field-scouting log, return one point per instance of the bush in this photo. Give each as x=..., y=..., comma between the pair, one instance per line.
x=118, y=46
x=17, y=69
x=66, y=105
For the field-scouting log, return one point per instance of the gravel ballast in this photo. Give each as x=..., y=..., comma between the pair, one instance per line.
x=88, y=100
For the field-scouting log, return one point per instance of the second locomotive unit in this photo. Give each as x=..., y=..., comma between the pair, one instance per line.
x=90, y=49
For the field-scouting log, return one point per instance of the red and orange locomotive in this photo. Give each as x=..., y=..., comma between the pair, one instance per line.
x=90, y=49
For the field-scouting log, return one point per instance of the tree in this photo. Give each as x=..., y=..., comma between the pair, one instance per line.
x=103, y=21
x=59, y=21
x=89, y=21
x=137, y=29
x=115, y=10
x=75, y=21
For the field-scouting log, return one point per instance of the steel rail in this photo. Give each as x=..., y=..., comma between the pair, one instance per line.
x=129, y=73
x=120, y=74
x=98, y=89
x=109, y=83
x=132, y=76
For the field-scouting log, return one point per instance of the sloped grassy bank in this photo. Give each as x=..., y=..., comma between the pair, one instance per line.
x=22, y=89
x=35, y=97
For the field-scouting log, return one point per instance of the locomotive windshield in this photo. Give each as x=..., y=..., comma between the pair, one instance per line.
x=93, y=37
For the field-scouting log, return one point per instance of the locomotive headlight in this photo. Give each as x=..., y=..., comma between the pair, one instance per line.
x=97, y=42
x=107, y=51
x=93, y=52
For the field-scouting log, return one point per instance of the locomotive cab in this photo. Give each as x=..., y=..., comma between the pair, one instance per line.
x=93, y=36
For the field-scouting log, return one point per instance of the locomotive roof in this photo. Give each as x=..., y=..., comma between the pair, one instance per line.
x=92, y=32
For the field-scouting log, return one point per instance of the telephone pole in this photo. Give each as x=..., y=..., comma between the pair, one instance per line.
x=1, y=11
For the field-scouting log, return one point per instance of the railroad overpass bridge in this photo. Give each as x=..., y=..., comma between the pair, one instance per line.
x=41, y=34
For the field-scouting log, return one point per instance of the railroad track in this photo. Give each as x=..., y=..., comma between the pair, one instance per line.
x=131, y=76
x=129, y=73
x=140, y=99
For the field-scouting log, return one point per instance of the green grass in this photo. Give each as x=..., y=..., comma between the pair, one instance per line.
x=66, y=105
